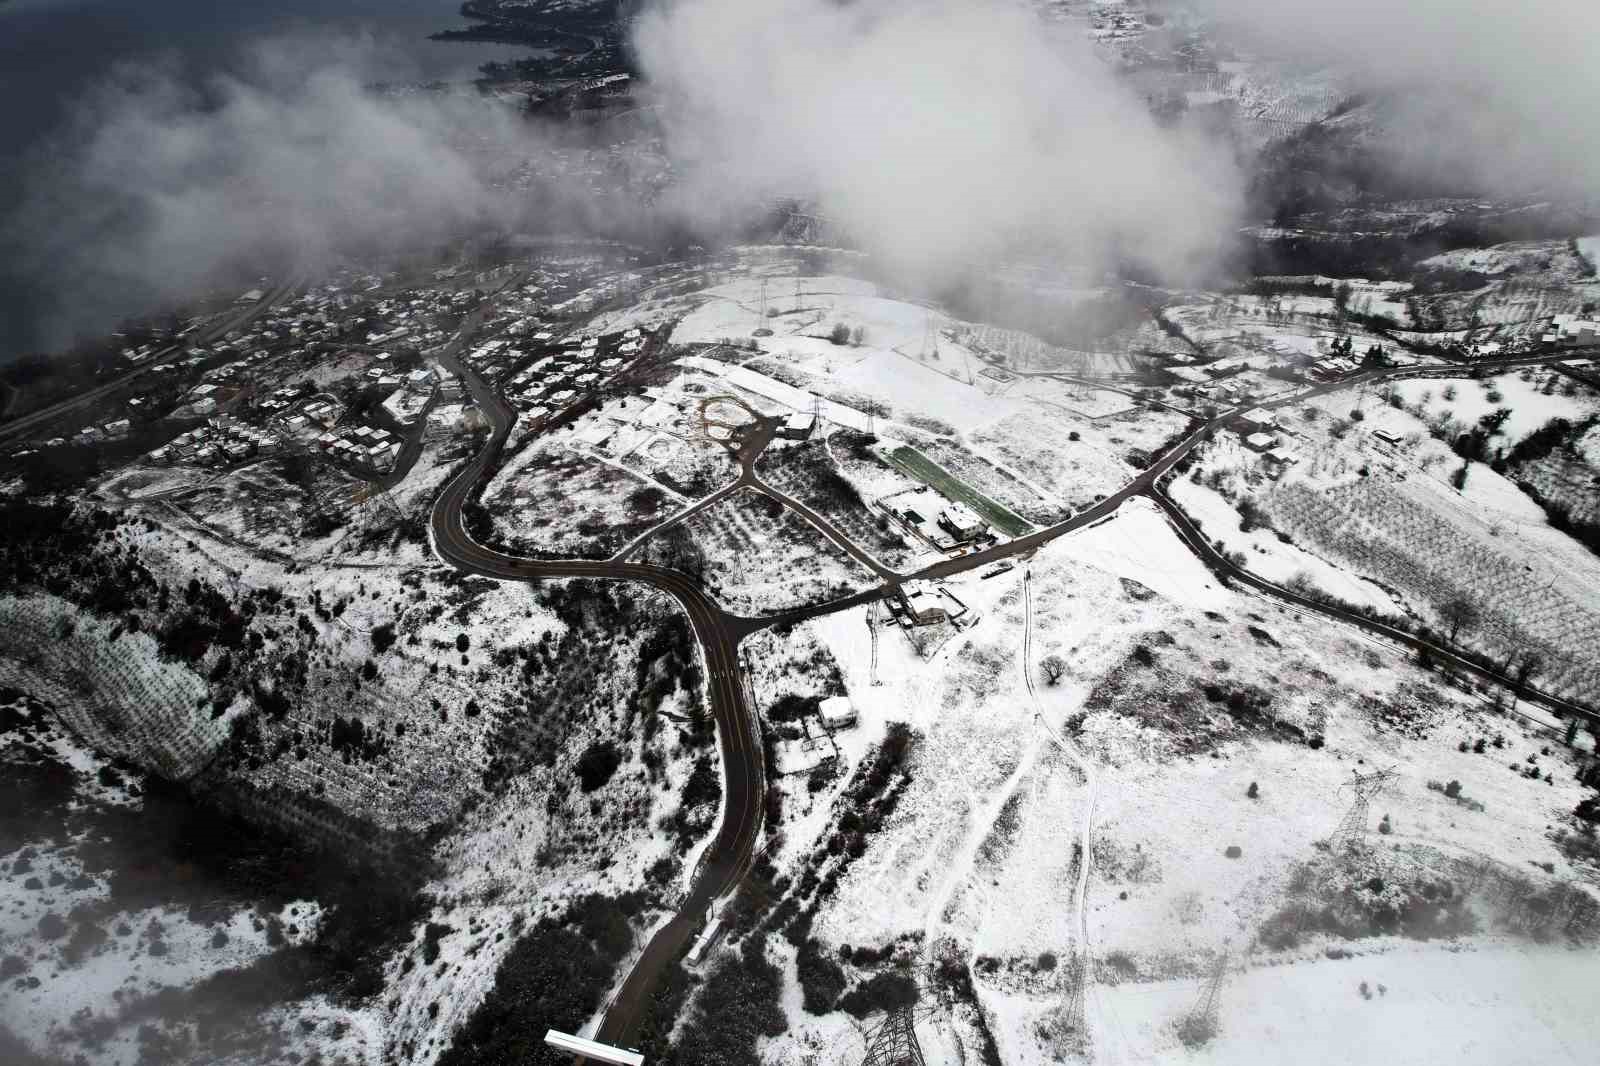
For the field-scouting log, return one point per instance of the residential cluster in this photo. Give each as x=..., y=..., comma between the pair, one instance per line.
x=946, y=525
x=363, y=445
x=1263, y=434
x=221, y=441
x=1571, y=331
x=561, y=374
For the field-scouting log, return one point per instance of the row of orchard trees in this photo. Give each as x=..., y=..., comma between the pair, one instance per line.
x=1480, y=597
x=112, y=689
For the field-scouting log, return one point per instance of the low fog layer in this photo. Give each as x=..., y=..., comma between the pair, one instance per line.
x=1503, y=94
x=155, y=190
x=940, y=134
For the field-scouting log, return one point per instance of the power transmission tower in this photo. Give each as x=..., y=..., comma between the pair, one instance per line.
x=1353, y=828
x=1073, y=1026
x=374, y=493
x=872, y=627
x=1200, y=1024
x=761, y=312
x=894, y=1041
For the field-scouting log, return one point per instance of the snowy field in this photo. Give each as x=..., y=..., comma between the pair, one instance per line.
x=1523, y=393
x=997, y=804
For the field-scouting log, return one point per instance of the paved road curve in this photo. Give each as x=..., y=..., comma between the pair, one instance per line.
x=724, y=863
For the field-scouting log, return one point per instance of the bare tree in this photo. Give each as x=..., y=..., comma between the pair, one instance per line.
x=1053, y=667
x=1459, y=613
x=1531, y=664
x=678, y=551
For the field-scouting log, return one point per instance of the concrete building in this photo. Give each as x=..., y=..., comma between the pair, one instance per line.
x=1261, y=442
x=961, y=521
x=837, y=712
x=922, y=603
x=1257, y=421
x=798, y=426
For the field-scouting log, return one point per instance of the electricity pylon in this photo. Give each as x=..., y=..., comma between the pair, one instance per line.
x=894, y=1041
x=1200, y=1024
x=1077, y=986
x=872, y=627
x=1367, y=787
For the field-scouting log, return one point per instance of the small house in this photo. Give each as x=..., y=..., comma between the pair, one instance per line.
x=798, y=426
x=922, y=603
x=1261, y=442
x=961, y=521
x=837, y=712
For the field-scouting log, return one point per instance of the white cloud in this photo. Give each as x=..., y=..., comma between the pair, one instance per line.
x=156, y=189
x=1504, y=91
x=941, y=134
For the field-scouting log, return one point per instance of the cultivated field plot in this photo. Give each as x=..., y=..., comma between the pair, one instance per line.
x=556, y=504
x=690, y=466
x=807, y=473
x=1145, y=434
x=1381, y=532
x=1041, y=447
x=258, y=507
x=936, y=477
x=1269, y=555
x=759, y=558
x=1003, y=486
x=1567, y=481
x=1081, y=401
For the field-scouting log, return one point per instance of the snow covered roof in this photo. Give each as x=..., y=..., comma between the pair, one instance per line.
x=961, y=516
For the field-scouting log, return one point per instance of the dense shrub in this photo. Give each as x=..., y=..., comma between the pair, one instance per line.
x=383, y=638
x=739, y=1005
x=555, y=977
x=881, y=992
x=822, y=979
x=597, y=764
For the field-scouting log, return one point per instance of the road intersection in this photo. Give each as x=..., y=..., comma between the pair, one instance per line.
x=724, y=863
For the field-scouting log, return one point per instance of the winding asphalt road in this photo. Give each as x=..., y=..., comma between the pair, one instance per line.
x=725, y=862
